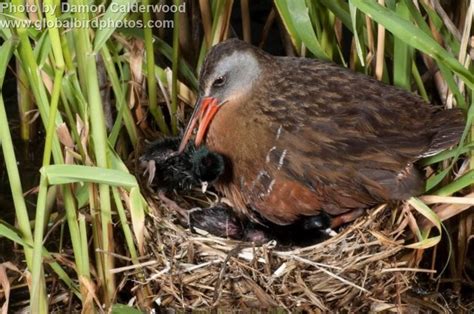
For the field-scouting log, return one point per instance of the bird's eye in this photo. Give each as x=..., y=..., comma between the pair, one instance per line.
x=218, y=82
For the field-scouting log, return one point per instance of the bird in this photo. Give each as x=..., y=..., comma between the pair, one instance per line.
x=170, y=171
x=221, y=220
x=308, y=140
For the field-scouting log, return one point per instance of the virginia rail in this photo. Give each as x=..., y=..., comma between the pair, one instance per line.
x=303, y=137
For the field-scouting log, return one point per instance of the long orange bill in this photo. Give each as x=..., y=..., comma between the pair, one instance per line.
x=204, y=111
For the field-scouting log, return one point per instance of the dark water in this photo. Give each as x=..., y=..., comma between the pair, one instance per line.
x=28, y=155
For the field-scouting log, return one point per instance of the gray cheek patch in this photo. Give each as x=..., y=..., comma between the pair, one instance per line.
x=241, y=69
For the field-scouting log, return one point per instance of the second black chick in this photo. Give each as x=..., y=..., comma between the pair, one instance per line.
x=168, y=170
x=222, y=221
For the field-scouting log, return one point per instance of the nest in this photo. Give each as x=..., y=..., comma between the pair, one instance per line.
x=364, y=267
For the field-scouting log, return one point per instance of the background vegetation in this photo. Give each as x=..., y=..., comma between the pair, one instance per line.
x=96, y=93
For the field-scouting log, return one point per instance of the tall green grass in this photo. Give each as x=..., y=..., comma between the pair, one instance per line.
x=400, y=42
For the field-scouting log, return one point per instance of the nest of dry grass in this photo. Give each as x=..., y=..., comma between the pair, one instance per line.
x=364, y=267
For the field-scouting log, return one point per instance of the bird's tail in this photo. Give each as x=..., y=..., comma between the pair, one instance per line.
x=447, y=128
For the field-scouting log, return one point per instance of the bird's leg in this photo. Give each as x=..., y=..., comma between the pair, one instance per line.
x=182, y=213
x=337, y=221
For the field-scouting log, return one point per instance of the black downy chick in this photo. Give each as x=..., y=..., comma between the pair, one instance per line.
x=169, y=170
x=222, y=221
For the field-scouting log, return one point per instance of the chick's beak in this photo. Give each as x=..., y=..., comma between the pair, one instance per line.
x=204, y=111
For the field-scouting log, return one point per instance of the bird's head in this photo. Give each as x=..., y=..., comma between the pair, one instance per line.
x=207, y=166
x=229, y=72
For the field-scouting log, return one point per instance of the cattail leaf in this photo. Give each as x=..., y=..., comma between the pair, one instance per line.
x=64, y=174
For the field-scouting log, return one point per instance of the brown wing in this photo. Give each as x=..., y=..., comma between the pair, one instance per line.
x=343, y=141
